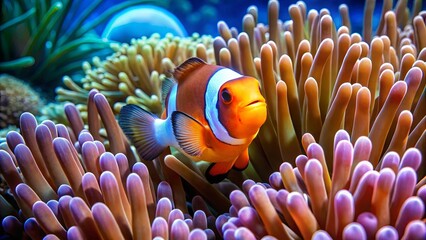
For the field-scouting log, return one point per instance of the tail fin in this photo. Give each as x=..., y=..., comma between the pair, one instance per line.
x=138, y=125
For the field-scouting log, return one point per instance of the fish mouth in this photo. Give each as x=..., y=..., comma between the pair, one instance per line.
x=254, y=104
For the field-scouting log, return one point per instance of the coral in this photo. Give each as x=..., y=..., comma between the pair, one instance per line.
x=42, y=41
x=127, y=24
x=16, y=97
x=134, y=73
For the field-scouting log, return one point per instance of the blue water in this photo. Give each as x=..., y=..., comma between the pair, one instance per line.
x=201, y=16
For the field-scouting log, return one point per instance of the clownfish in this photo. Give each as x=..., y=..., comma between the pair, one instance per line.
x=212, y=114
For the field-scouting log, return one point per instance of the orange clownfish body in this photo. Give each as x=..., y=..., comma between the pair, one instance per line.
x=212, y=114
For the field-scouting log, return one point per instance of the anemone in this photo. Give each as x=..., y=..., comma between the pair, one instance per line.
x=318, y=78
x=134, y=72
x=356, y=201
x=340, y=155
x=68, y=184
x=73, y=185
x=43, y=40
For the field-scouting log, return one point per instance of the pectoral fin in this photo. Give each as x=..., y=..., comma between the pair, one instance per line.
x=190, y=133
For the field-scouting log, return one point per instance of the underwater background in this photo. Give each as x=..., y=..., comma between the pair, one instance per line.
x=202, y=16
x=341, y=155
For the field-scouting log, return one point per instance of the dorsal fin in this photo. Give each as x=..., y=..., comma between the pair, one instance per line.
x=187, y=67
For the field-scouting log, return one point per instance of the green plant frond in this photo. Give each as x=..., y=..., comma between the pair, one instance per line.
x=5, y=48
x=41, y=10
x=17, y=20
x=43, y=29
x=60, y=55
x=60, y=22
x=32, y=20
x=86, y=52
x=23, y=4
x=107, y=14
x=49, y=2
x=17, y=63
x=9, y=10
x=79, y=21
x=74, y=45
x=71, y=67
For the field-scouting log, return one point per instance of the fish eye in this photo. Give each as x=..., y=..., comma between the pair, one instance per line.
x=226, y=96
